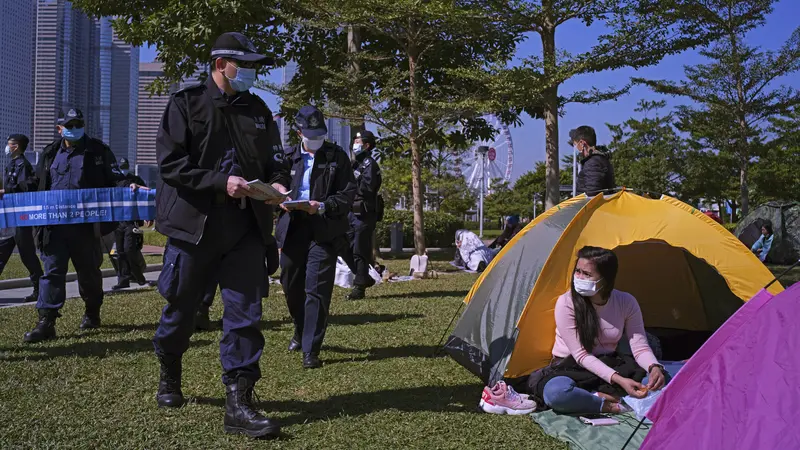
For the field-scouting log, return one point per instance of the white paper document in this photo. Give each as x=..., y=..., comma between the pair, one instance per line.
x=263, y=191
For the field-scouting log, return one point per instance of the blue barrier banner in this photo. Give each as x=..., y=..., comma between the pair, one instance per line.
x=76, y=206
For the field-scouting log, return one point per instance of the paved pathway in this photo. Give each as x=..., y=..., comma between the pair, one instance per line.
x=15, y=297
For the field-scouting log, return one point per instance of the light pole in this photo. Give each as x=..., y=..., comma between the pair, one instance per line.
x=574, y=172
x=536, y=197
x=482, y=151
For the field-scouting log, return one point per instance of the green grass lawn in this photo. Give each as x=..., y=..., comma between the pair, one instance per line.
x=15, y=269
x=380, y=387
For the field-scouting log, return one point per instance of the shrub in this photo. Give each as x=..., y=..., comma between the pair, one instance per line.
x=440, y=228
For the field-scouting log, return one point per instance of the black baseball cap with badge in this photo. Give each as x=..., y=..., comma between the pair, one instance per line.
x=366, y=136
x=236, y=46
x=73, y=116
x=311, y=122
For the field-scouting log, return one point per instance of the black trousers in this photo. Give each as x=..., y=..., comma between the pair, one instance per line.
x=308, y=269
x=23, y=240
x=358, y=255
x=129, y=250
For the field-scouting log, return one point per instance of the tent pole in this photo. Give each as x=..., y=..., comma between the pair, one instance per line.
x=439, y=345
x=782, y=274
x=634, y=433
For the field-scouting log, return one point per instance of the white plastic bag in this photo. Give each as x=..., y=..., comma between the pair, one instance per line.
x=344, y=277
x=375, y=275
x=640, y=406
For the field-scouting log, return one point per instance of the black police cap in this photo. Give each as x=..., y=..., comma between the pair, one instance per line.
x=20, y=139
x=366, y=136
x=311, y=122
x=237, y=46
x=72, y=115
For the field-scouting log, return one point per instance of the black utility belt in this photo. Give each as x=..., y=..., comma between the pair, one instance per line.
x=221, y=199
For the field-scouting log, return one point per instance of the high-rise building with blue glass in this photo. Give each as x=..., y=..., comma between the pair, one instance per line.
x=17, y=46
x=80, y=62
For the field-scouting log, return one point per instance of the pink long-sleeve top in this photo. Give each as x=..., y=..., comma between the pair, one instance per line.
x=621, y=315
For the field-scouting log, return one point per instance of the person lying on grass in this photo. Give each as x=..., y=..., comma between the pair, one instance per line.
x=591, y=318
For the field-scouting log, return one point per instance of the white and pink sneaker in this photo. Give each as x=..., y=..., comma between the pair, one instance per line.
x=503, y=399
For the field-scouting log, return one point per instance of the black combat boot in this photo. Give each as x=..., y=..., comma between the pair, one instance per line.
x=169, y=393
x=45, y=329
x=202, y=321
x=241, y=416
x=357, y=293
x=91, y=319
x=34, y=295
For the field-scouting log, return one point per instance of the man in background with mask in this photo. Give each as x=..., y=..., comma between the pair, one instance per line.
x=364, y=215
x=74, y=161
x=129, y=240
x=19, y=177
x=311, y=237
x=597, y=173
x=214, y=138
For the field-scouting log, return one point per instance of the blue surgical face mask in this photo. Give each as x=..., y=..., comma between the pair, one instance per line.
x=72, y=135
x=313, y=144
x=358, y=148
x=245, y=79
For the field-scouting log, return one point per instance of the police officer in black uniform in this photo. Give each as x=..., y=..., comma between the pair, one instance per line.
x=129, y=240
x=310, y=239
x=74, y=161
x=20, y=177
x=364, y=216
x=214, y=137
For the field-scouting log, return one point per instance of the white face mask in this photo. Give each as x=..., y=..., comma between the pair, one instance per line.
x=357, y=148
x=586, y=288
x=313, y=144
x=8, y=150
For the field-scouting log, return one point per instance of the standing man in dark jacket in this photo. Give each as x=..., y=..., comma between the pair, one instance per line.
x=597, y=174
x=312, y=238
x=19, y=177
x=75, y=161
x=214, y=138
x=364, y=216
x=129, y=242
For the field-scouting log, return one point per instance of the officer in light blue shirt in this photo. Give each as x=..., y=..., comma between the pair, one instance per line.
x=313, y=236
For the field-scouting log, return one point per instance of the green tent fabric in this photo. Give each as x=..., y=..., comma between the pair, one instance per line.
x=580, y=436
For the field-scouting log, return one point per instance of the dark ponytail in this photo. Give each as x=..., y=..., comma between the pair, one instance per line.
x=587, y=323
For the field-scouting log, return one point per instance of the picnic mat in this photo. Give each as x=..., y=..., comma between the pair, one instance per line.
x=580, y=436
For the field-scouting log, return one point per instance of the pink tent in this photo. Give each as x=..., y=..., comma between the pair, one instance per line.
x=741, y=390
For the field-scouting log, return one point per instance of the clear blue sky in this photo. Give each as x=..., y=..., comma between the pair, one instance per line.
x=574, y=37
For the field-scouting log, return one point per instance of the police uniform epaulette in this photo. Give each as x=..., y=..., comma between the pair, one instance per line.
x=191, y=87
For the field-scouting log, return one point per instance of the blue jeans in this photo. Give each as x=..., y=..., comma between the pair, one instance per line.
x=561, y=394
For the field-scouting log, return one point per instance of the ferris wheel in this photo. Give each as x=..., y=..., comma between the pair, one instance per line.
x=492, y=161
x=489, y=162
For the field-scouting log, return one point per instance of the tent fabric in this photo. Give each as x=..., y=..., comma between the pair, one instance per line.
x=686, y=271
x=742, y=388
x=785, y=218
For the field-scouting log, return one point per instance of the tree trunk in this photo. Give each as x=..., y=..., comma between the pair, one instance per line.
x=416, y=159
x=742, y=145
x=552, y=194
x=744, y=192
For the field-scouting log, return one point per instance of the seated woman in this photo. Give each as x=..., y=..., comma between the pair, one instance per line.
x=590, y=320
x=471, y=252
x=764, y=243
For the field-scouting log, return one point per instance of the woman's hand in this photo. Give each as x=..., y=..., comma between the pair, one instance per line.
x=633, y=388
x=657, y=379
